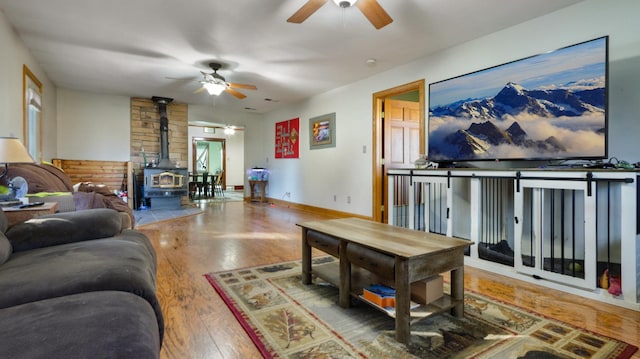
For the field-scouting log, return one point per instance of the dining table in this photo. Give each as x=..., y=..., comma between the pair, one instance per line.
x=203, y=188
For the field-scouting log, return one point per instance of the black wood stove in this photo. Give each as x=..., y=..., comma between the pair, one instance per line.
x=165, y=184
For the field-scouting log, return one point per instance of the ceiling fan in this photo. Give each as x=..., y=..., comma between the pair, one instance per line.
x=370, y=8
x=215, y=84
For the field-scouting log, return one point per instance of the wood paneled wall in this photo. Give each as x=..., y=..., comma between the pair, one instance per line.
x=145, y=132
x=114, y=174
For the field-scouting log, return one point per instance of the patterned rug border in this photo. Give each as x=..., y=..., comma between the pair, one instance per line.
x=259, y=342
x=242, y=319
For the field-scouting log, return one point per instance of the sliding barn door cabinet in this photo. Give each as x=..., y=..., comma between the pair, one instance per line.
x=572, y=230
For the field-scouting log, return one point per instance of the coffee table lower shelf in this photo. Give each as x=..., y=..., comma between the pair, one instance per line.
x=361, y=278
x=420, y=311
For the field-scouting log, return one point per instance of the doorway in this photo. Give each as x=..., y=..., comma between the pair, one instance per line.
x=398, y=137
x=209, y=155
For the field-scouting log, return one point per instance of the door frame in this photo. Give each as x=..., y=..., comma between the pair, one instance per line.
x=223, y=141
x=30, y=81
x=379, y=213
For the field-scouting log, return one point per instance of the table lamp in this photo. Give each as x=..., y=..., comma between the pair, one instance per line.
x=12, y=151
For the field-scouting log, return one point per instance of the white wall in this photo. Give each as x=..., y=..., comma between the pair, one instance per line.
x=93, y=126
x=211, y=114
x=318, y=175
x=13, y=55
x=97, y=126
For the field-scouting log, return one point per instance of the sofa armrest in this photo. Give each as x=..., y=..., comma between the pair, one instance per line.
x=127, y=223
x=62, y=228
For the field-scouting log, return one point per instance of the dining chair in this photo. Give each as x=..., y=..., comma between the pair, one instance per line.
x=193, y=185
x=217, y=186
x=203, y=186
x=192, y=189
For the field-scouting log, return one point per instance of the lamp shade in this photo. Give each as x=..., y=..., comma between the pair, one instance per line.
x=13, y=151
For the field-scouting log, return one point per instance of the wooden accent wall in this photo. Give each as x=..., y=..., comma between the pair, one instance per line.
x=145, y=132
x=113, y=174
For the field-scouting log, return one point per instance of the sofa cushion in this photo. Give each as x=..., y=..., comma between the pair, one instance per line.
x=123, y=263
x=61, y=228
x=5, y=248
x=107, y=324
x=87, y=200
x=4, y=222
x=5, y=245
x=140, y=238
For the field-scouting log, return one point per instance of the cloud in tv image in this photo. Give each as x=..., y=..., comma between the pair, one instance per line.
x=549, y=106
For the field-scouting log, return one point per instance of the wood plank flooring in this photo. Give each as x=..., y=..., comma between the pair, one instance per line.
x=233, y=235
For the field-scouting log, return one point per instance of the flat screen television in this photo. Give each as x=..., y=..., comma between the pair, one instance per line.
x=551, y=106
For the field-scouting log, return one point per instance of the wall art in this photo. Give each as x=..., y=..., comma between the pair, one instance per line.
x=322, y=131
x=287, y=138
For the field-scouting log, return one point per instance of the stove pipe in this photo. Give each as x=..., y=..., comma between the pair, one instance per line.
x=162, y=102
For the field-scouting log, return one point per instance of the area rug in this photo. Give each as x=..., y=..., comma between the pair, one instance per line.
x=230, y=196
x=287, y=319
x=148, y=216
x=226, y=196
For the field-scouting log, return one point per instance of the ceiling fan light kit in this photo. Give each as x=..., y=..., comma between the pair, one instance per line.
x=214, y=88
x=345, y=3
x=215, y=84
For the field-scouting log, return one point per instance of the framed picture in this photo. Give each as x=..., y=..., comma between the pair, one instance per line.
x=322, y=131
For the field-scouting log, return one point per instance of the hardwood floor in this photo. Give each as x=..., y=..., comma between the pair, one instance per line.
x=235, y=234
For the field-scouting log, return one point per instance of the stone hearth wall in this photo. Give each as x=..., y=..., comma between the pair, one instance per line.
x=145, y=132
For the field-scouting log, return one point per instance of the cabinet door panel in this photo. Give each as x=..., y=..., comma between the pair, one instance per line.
x=555, y=230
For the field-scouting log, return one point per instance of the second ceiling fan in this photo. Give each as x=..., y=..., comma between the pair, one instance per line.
x=370, y=8
x=215, y=84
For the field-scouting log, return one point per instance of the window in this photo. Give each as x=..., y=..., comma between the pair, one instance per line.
x=32, y=115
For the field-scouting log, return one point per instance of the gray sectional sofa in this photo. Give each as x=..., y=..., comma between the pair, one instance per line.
x=78, y=285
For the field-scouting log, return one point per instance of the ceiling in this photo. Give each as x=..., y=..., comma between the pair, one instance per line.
x=147, y=48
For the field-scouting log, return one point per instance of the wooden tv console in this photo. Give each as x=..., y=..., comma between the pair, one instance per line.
x=402, y=255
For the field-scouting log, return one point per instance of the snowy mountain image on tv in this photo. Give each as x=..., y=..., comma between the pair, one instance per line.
x=550, y=106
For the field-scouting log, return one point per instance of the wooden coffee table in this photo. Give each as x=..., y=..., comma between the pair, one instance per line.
x=412, y=256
